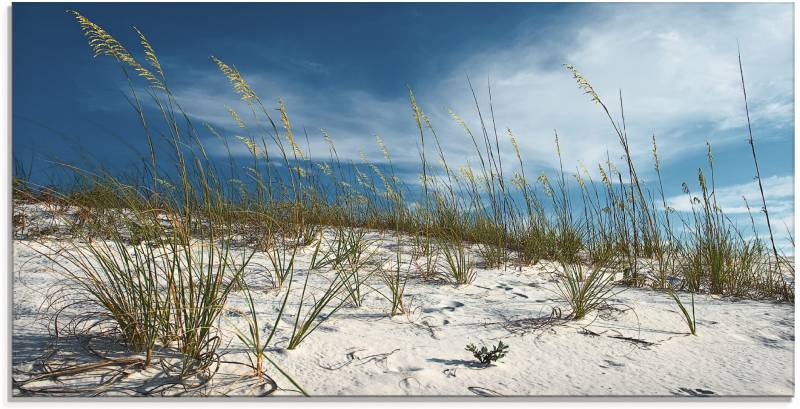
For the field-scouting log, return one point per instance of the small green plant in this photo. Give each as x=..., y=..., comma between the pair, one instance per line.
x=691, y=322
x=485, y=356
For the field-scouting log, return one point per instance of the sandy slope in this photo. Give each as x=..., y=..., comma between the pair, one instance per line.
x=637, y=346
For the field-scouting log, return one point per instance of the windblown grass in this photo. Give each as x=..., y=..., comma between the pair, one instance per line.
x=160, y=253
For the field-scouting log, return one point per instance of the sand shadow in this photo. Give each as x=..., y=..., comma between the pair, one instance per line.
x=457, y=362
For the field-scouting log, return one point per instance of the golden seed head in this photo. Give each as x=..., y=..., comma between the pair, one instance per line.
x=583, y=83
x=235, y=77
x=382, y=146
x=251, y=146
x=288, y=126
x=103, y=43
x=236, y=118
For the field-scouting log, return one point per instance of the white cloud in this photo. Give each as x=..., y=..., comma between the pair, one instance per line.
x=676, y=64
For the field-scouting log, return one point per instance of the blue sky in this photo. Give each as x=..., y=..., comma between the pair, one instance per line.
x=345, y=68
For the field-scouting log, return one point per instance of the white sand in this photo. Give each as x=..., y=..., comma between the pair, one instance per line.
x=638, y=347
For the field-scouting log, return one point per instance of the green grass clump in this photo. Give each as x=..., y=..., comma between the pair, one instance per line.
x=585, y=289
x=394, y=279
x=458, y=262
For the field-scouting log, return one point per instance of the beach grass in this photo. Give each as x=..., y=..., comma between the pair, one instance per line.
x=160, y=254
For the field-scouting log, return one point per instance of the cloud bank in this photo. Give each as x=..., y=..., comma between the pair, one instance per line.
x=676, y=66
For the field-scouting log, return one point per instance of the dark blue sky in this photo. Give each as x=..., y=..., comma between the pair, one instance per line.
x=62, y=98
x=376, y=47
x=345, y=68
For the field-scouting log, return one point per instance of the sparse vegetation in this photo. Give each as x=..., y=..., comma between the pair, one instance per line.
x=160, y=255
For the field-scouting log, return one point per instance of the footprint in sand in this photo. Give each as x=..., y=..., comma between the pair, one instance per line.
x=611, y=364
x=409, y=384
x=506, y=287
x=450, y=307
x=696, y=392
x=404, y=369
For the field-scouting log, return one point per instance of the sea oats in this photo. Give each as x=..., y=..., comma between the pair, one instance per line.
x=460, y=122
x=583, y=84
x=709, y=155
x=288, y=126
x=426, y=120
x=103, y=43
x=545, y=182
x=325, y=168
x=415, y=108
x=558, y=147
x=459, y=213
x=514, y=144
x=613, y=168
x=362, y=178
x=579, y=180
x=655, y=154
x=149, y=53
x=386, y=185
x=466, y=172
x=236, y=117
x=519, y=181
x=251, y=146
x=604, y=175
x=237, y=80
x=382, y=146
x=701, y=179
